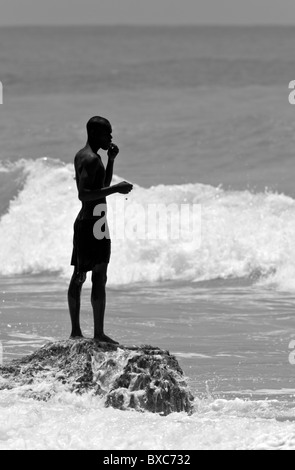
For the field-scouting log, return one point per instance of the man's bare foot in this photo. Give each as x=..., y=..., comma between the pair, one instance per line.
x=76, y=336
x=105, y=339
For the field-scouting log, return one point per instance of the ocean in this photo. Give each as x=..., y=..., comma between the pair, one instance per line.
x=202, y=117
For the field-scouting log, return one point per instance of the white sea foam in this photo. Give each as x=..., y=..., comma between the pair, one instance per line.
x=81, y=422
x=243, y=234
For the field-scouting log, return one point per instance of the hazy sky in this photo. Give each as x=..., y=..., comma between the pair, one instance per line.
x=146, y=11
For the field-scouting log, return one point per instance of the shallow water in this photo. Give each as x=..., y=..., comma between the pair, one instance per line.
x=230, y=337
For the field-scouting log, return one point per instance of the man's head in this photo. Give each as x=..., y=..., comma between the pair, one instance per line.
x=99, y=132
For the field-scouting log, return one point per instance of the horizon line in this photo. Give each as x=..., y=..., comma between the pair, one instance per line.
x=147, y=25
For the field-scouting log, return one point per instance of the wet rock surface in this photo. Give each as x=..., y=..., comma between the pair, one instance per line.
x=143, y=378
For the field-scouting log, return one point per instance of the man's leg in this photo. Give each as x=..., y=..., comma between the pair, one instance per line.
x=98, y=301
x=74, y=301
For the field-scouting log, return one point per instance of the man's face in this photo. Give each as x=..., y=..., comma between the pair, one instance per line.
x=105, y=137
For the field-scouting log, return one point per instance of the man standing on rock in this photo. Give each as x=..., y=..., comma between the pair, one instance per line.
x=91, y=253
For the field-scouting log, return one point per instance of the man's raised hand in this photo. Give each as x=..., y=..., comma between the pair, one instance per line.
x=113, y=151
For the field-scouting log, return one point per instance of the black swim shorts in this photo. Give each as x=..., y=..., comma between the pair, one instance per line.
x=87, y=249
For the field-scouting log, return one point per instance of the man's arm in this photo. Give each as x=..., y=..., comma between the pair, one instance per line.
x=86, y=178
x=85, y=182
x=95, y=194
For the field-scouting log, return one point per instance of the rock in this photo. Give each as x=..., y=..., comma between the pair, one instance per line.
x=143, y=378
